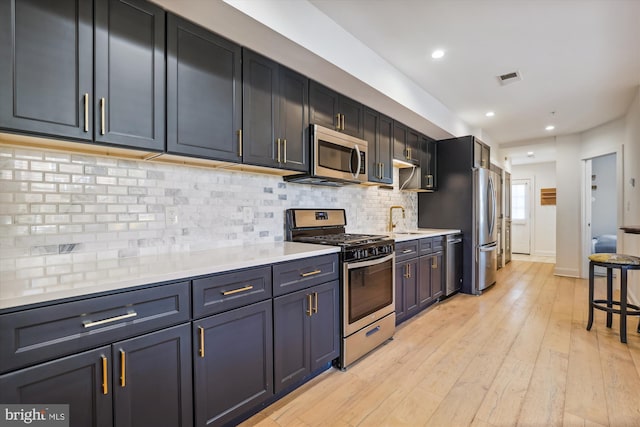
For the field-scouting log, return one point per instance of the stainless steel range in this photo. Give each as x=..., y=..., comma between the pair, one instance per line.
x=367, y=278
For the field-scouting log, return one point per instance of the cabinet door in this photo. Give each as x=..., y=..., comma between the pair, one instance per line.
x=424, y=286
x=325, y=325
x=46, y=71
x=370, y=134
x=401, y=311
x=385, y=149
x=351, y=116
x=152, y=379
x=292, y=338
x=293, y=127
x=129, y=99
x=399, y=141
x=323, y=103
x=411, y=289
x=260, y=110
x=437, y=275
x=413, y=149
x=204, y=94
x=233, y=363
x=79, y=381
x=428, y=164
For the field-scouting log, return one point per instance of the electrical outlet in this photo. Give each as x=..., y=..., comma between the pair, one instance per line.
x=171, y=215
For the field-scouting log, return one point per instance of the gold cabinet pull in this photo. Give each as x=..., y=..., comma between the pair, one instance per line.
x=309, y=309
x=240, y=142
x=315, y=302
x=338, y=121
x=406, y=251
x=90, y=324
x=86, y=112
x=434, y=262
x=235, y=291
x=123, y=369
x=278, y=142
x=311, y=273
x=105, y=376
x=102, y=108
x=429, y=180
x=342, y=121
x=284, y=144
x=201, y=333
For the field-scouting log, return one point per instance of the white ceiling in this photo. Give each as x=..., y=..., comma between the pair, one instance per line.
x=578, y=58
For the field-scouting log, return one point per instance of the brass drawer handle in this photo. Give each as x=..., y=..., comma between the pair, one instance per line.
x=434, y=263
x=123, y=369
x=86, y=112
x=102, y=108
x=278, y=142
x=105, y=381
x=109, y=320
x=406, y=251
x=240, y=142
x=311, y=273
x=309, y=309
x=201, y=349
x=235, y=291
x=315, y=302
x=284, y=143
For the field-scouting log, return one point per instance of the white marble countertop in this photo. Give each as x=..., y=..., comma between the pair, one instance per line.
x=419, y=233
x=124, y=273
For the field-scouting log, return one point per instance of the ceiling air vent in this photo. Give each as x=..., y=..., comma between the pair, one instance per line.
x=512, y=77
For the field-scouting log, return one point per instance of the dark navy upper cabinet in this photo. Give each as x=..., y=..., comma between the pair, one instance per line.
x=129, y=101
x=204, y=93
x=406, y=144
x=335, y=111
x=46, y=71
x=47, y=76
x=378, y=132
x=275, y=114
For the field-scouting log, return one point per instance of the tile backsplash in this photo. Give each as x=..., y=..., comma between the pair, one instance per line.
x=58, y=209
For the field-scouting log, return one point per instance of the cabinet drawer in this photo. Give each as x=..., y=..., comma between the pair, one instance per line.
x=294, y=275
x=222, y=292
x=407, y=250
x=39, y=334
x=438, y=243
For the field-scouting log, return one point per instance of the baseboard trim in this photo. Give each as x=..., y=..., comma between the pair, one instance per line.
x=544, y=253
x=567, y=272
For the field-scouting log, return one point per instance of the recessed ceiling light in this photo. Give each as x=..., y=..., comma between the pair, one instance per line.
x=550, y=127
x=437, y=54
x=490, y=114
x=529, y=153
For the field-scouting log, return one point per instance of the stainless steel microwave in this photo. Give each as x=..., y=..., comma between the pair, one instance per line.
x=336, y=159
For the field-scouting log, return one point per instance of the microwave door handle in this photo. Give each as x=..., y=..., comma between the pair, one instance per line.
x=356, y=150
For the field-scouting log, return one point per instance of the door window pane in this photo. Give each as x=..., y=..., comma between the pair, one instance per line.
x=518, y=202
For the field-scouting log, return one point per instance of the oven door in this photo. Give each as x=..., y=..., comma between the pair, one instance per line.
x=368, y=292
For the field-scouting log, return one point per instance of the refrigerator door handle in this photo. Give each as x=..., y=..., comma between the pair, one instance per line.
x=488, y=248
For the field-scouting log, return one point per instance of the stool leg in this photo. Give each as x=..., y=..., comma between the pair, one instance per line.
x=609, y=295
x=590, y=322
x=623, y=305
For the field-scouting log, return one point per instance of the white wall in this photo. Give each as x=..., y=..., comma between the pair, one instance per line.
x=568, y=223
x=543, y=218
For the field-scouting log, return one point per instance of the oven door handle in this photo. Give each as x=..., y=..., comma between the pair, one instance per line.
x=351, y=265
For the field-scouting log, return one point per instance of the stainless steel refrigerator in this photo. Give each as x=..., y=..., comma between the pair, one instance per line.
x=466, y=199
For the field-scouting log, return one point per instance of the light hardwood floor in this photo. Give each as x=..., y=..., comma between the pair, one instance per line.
x=517, y=355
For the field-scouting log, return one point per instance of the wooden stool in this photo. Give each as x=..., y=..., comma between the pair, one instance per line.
x=611, y=261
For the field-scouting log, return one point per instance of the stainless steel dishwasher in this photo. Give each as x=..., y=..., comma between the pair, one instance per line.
x=454, y=263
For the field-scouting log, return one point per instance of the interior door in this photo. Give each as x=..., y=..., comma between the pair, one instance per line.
x=521, y=216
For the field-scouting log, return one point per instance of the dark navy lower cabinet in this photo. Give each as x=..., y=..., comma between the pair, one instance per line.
x=152, y=379
x=82, y=381
x=306, y=333
x=233, y=363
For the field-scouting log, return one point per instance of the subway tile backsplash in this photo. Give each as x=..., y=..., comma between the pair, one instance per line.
x=60, y=210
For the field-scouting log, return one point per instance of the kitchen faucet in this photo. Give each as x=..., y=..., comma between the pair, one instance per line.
x=391, y=224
